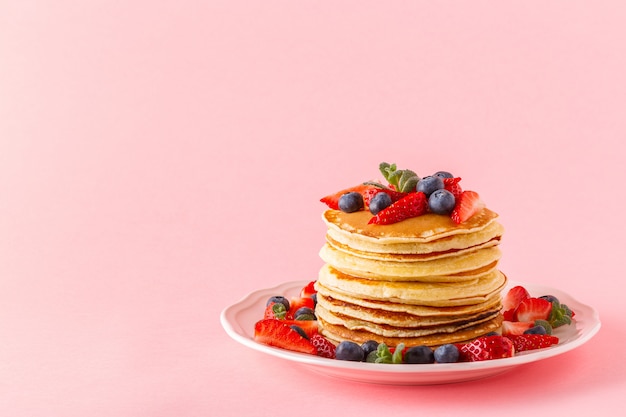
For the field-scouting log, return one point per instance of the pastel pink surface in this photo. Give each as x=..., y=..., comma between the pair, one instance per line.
x=160, y=160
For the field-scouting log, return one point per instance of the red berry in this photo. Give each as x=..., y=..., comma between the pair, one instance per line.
x=515, y=327
x=486, y=348
x=332, y=200
x=531, y=309
x=324, y=347
x=513, y=297
x=412, y=205
x=275, y=311
x=468, y=204
x=532, y=341
x=370, y=193
x=452, y=185
x=278, y=334
x=297, y=302
x=308, y=290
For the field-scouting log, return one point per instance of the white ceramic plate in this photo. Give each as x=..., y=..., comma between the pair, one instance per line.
x=238, y=320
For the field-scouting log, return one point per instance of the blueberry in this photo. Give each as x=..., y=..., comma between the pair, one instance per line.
x=441, y=201
x=447, y=353
x=379, y=202
x=536, y=330
x=278, y=299
x=419, y=354
x=369, y=346
x=550, y=298
x=304, y=313
x=300, y=331
x=493, y=334
x=351, y=202
x=349, y=351
x=429, y=185
x=314, y=297
x=443, y=174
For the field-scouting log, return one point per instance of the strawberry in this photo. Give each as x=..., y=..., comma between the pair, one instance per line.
x=515, y=327
x=324, y=347
x=370, y=193
x=531, y=309
x=452, y=185
x=296, y=302
x=278, y=334
x=513, y=297
x=308, y=290
x=412, y=205
x=309, y=327
x=332, y=200
x=468, y=204
x=533, y=341
x=275, y=311
x=486, y=348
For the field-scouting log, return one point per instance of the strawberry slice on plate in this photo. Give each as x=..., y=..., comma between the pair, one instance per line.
x=525, y=342
x=486, y=348
x=531, y=309
x=278, y=334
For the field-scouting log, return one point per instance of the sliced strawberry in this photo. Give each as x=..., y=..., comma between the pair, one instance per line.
x=513, y=297
x=531, y=309
x=468, y=204
x=275, y=311
x=296, y=302
x=309, y=327
x=332, y=200
x=370, y=193
x=308, y=290
x=452, y=185
x=533, y=341
x=486, y=348
x=324, y=347
x=412, y=205
x=278, y=334
x=515, y=327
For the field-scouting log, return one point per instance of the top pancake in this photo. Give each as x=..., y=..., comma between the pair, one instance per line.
x=421, y=234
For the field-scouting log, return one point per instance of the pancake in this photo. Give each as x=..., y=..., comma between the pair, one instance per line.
x=339, y=333
x=424, y=312
x=354, y=313
x=436, y=294
x=420, y=270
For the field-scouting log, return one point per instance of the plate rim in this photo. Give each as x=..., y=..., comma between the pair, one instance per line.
x=586, y=316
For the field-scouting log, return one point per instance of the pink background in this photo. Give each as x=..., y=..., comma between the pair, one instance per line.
x=161, y=159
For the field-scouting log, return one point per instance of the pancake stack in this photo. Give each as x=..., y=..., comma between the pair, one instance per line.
x=422, y=281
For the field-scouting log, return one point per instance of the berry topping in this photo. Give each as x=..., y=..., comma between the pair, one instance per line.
x=297, y=303
x=419, y=354
x=308, y=290
x=369, y=346
x=452, y=185
x=351, y=202
x=278, y=334
x=413, y=205
x=441, y=202
x=332, y=200
x=304, y=313
x=486, y=348
x=380, y=201
x=443, y=174
x=447, y=353
x=533, y=341
x=429, y=185
x=349, y=351
x=536, y=329
x=468, y=204
x=324, y=347
x=531, y=309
